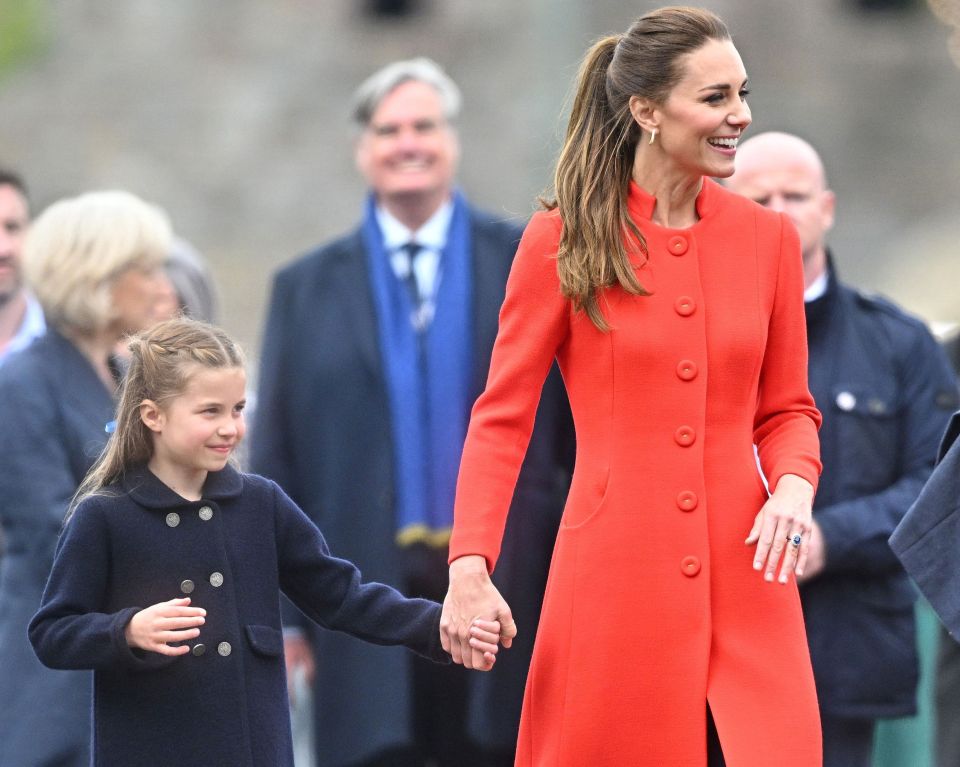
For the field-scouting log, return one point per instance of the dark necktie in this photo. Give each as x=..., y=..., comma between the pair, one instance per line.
x=412, y=250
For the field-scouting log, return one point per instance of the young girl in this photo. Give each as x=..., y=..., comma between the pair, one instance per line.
x=168, y=574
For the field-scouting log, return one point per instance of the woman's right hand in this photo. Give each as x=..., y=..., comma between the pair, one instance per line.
x=472, y=595
x=154, y=627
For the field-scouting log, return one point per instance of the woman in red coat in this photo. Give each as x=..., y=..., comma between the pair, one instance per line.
x=674, y=309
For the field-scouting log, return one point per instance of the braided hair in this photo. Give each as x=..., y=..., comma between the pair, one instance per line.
x=162, y=361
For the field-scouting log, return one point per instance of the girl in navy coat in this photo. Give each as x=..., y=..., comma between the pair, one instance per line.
x=168, y=574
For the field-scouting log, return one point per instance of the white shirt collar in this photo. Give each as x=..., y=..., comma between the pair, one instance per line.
x=432, y=235
x=817, y=288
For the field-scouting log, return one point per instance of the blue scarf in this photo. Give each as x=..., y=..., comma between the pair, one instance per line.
x=428, y=386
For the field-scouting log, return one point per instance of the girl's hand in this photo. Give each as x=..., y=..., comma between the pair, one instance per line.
x=788, y=513
x=153, y=628
x=472, y=597
x=485, y=638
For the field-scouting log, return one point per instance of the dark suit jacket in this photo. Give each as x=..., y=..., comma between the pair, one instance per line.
x=225, y=702
x=53, y=410
x=322, y=431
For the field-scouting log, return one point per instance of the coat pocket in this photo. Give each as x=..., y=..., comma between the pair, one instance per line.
x=265, y=640
x=586, y=499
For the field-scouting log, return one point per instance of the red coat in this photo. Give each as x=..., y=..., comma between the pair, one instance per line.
x=652, y=607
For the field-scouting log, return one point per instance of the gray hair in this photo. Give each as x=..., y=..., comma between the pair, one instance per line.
x=384, y=81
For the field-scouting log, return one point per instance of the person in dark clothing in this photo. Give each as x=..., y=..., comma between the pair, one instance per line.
x=885, y=390
x=166, y=581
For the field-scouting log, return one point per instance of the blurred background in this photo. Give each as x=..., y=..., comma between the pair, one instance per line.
x=234, y=115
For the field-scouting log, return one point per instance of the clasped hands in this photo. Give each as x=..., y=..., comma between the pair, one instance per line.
x=475, y=618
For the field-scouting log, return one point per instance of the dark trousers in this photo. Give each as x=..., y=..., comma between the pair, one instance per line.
x=439, y=692
x=714, y=752
x=948, y=701
x=847, y=742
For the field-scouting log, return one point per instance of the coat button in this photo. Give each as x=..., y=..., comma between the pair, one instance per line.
x=846, y=401
x=205, y=513
x=186, y=586
x=216, y=580
x=224, y=649
x=173, y=519
x=677, y=245
x=199, y=649
x=687, y=370
x=687, y=500
x=685, y=306
x=690, y=566
x=685, y=436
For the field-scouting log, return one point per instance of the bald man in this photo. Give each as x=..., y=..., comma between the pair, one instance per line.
x=886, y=392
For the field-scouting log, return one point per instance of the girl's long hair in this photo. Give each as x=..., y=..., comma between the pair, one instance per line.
x=162, y=360
x=592, y=178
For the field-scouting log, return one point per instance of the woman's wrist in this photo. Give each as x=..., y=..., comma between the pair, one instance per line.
x=795, y=484
x=469, y=564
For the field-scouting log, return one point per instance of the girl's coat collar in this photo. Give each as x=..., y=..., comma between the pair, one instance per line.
x=148, y=491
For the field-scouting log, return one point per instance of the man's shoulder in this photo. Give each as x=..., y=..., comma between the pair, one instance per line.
x=879, y=308
x=347, y=246
x=496, y=226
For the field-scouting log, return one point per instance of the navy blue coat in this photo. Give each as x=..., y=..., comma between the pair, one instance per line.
x=927, y=539
x=53, y=410
x=322, y=431
x=885, y=390
x=233, y=551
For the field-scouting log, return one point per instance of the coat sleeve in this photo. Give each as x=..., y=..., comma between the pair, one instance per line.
x=925, y=541
x=71, y=630
x=856, y=531
x=786, y=419
x=534, y=321
x=330, y=591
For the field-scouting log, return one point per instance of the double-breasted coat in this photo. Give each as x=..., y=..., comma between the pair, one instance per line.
x=652, y=607
x=224, y=702
x=322, y=431
x=53, y=413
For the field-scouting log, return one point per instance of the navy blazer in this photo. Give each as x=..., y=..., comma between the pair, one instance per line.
x=322, y=431
x=53, y=413
x=225, y=702
x=927, y=539
x=885, y=390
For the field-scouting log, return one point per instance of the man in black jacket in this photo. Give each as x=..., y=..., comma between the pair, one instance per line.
x=376, y=346
x=886, y=391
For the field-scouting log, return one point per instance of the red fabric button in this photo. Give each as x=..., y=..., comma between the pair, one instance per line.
x=690, y=566
x=686, y=370
x=685, y=436
x=687, y=500
x=677, y=245
x=685, y=306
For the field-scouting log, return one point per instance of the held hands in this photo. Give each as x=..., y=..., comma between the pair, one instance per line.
x=153, y=628
x=475, y=617
x=787, y=514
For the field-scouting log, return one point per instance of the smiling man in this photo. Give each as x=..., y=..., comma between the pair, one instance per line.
x=885, y=390
x=21, y=318
x=376, y=346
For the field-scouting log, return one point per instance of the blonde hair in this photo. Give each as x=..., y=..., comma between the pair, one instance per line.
x=78, y=246
x=162, y=361
x=592, y=178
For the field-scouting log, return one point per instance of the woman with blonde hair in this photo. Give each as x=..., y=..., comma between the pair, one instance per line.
x=671, y=631
x=94, y=264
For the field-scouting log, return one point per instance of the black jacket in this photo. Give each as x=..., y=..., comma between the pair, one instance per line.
x=885, y=390
x=233, y=551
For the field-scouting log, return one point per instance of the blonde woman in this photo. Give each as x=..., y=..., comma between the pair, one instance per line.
x=94, y=264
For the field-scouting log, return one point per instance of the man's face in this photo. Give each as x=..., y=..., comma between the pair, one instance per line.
x=14, y=217
x=409, y=152
x=791, y=184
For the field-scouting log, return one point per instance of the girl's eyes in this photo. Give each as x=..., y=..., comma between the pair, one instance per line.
x=719, y=98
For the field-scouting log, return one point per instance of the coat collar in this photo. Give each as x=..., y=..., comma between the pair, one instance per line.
x=641, y=203
x=142, y=486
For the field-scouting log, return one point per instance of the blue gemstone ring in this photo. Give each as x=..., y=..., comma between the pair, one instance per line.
x=795, y=539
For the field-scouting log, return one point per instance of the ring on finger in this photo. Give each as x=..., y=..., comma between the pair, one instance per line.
x=795, y=540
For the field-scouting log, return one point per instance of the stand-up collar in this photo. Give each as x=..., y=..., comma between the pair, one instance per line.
x=148, y=491
x=640, y=203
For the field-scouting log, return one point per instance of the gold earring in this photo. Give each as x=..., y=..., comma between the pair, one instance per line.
x=653, y=135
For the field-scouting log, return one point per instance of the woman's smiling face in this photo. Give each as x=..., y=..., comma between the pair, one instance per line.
x=705, y=113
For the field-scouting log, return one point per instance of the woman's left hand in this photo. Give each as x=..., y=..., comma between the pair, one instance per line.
x=787, y=515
